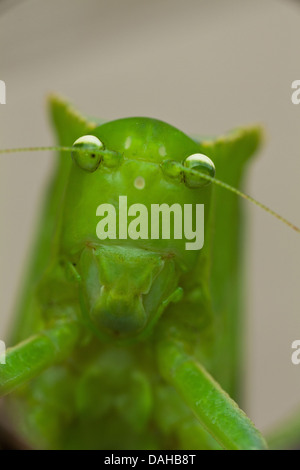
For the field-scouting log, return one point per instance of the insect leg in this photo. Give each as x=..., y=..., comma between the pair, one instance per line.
x=27, y=359
x=213, y=407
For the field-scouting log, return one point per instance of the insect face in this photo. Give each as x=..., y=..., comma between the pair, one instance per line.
x=130, y=267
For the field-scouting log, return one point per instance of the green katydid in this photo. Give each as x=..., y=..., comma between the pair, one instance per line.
x=132, y=343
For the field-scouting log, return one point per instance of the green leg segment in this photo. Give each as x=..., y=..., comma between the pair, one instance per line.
x=26, y=360
x=215, y=410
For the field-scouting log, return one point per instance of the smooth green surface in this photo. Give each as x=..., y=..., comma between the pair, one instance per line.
x=37, y=353
x=216, y=411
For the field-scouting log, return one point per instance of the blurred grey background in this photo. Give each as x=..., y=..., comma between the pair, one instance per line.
x=203, y=66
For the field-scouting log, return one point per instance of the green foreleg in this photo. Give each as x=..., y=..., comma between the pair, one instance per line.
x=215, y=410
x=26, y=360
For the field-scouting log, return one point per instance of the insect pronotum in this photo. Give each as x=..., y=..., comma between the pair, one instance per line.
x=131, y=343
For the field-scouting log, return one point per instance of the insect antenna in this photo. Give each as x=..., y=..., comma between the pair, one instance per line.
x=185, y=170
x=247, y=197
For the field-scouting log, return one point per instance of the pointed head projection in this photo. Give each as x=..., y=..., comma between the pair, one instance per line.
x=135, y=210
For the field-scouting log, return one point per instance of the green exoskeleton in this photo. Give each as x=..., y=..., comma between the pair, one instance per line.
x=132, y=342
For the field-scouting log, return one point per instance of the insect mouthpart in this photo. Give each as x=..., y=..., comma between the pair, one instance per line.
x=118, y=313
x=124, y=288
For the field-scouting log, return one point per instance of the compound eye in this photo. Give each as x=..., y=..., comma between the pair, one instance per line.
x=88, y=158
x=201, y=163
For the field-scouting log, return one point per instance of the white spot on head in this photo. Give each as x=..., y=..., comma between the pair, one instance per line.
x=127, y=142
x=89, y=139
x=162, y=151
x=139, y=182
